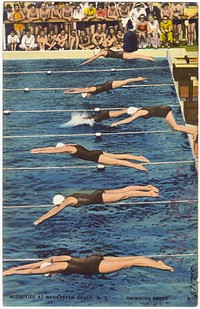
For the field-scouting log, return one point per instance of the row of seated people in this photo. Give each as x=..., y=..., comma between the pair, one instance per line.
x=149, y=33
x=85, y=16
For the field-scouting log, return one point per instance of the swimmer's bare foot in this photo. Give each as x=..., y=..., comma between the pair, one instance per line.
x=163, y=266
x=150, y=187
x=141, y=158
x=153, y=193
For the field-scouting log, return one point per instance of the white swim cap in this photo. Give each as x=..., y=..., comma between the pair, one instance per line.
x=132, y=110
x=59, y=145
x=45, y=264
x=58, y=199
x=84, y=94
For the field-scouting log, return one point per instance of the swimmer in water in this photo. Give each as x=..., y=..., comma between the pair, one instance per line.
x=108, y=53
x=162, y=111
x=109, y=85
x=97, y=156
x=98, y=197
x=93, y=264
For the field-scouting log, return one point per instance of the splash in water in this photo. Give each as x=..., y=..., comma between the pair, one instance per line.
x=78, y=119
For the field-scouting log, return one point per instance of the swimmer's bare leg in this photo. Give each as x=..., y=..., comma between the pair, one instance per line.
x=116, y=197
x=103, y=159
x=107, y=266
x=171, y=121
x=133, y=188
x=127, y=157
x=120, y=83
x=129, y=56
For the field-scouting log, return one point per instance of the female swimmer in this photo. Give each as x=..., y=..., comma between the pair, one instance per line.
x=109, y=85
x=97, y=156
x=93, y=264
x=98, y=197
x=108, y=53
x=145, y=112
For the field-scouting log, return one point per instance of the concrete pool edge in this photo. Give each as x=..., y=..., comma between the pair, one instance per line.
x=67, y=54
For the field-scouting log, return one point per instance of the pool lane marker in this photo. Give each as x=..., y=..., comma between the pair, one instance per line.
x=88, y=166
x=86, y=134
x=120, y=203
x=149, y=255
x=85, y=71
x=74, y=111
x=66, y=88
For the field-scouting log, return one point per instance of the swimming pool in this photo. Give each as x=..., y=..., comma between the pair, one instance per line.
x=164, y=227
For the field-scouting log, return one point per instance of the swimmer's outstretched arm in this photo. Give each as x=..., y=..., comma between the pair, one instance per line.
x=67, y=202
x=35, y=271
x=101, y=53
x=63, y=149
x=79, y=90
x=129, y=119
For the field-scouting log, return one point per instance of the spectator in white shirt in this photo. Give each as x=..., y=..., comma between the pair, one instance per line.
x=12, y=40
x=28, y=42
x=136, y=11
x=78, y=15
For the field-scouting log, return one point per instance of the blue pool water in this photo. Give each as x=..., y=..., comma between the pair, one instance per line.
x=156, y=227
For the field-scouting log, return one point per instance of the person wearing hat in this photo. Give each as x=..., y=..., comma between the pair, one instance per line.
x=100, y=197
x=109, y=85
x=92, y=264
x=136, y=11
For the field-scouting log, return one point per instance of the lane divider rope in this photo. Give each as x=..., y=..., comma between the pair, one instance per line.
x=122, y=203
x=86, y=134
x=65, y=88
x=85, y=71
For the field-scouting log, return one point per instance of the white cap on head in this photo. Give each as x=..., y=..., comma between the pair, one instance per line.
x=59, y=145
x=58, y=199
x=45, y=264
x=132, y=110
x=84, y=94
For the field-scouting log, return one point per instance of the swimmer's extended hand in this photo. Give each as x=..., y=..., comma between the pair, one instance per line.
x=140, y=78
x=114, y=124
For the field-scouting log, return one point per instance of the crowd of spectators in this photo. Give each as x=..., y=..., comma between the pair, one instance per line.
x=91, y=25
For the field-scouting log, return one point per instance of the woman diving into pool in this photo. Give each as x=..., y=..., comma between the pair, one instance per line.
x=98, y=156
x=109, y=53
x=98, y=197
x=109, y=85
x=93, y=264
x=145, y=112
